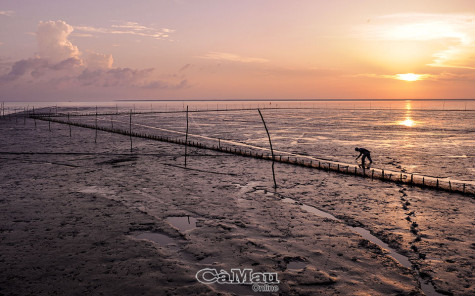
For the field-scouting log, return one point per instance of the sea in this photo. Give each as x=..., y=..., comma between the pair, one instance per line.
x=429, y=137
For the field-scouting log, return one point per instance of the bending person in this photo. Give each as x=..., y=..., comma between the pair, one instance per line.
x=366, y=154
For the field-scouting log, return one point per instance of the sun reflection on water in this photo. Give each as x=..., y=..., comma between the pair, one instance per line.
x=408, y=121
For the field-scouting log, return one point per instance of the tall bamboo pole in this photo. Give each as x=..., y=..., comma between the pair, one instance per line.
x=69, y=123
x=271, y=149
x=186, y=135
x=34, y=117
x=95, y=139
x=130, y=131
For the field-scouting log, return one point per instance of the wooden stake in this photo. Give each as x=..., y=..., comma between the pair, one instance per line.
x=271, y=149
x=69, y=124
x=186, y=135
x=130, y=130
x=95, y=139
x=34, y=116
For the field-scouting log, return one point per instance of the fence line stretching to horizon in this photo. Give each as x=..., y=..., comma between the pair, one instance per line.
x=419, y=180
x=31, y=110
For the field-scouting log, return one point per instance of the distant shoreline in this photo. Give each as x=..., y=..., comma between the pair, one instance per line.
x=246, y=100
x=289, y=100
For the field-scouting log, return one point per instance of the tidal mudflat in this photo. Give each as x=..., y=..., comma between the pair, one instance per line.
x=83, y=217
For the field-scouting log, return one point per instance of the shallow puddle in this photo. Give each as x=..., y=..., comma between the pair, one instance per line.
x=367, y=235
x=311, y=209
x=426, y=287
x=96, y=190
x=183, y=223
x=248, y=187
x=158, y=238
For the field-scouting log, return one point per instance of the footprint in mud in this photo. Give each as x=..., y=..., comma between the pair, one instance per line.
x=414, y=230
x=414, y=227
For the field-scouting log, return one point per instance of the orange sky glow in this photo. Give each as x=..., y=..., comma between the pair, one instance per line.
x=183, y=49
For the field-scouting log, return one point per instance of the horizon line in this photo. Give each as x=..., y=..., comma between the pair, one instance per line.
x=280, y=100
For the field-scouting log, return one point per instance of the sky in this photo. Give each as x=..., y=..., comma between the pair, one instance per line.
x=56, y=50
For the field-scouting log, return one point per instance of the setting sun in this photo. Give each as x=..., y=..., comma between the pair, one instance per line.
x=408, y=76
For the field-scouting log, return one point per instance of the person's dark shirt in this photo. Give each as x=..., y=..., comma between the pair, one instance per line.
x=364, y=151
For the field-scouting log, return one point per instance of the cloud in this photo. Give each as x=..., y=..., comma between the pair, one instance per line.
x=6, y=12
x=230, y=57
x=455, y=32
x=37, y=67
x=185, y=67
x=128, y=28
x=96, y=60
x=61, y=63
x=53, y=43
x=165, y=85
x=120, y=77
x=23, y=67
x=114, y=77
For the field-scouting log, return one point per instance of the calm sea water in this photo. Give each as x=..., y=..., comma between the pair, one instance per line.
x=435, y=138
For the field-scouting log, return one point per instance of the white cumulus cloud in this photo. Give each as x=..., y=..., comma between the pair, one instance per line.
x=94, y=60
x=59, y=61
x=53, y=43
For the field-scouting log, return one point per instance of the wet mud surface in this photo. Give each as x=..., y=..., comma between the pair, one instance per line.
x=112, y=223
